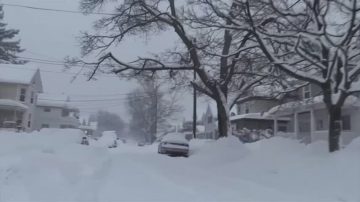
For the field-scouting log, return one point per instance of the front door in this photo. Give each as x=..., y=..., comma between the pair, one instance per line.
x=304, y=127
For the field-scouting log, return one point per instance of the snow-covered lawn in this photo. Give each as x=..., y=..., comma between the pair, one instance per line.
x=53, y=166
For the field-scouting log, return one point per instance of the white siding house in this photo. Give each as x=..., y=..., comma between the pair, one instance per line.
x=19, y=87
x=309, y=117
x=55, y=112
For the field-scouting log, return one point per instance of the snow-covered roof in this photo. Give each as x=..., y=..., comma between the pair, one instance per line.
x=350, y=101
x=59, y=101
x=259, y=116
x=21, y=74
x=7, y=103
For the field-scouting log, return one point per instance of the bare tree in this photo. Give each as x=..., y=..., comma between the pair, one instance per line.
x=151, y=109
x=314, y=41
x=207, y=46
x=109, y=121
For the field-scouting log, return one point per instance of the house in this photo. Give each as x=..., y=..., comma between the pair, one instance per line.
x=55, y=112
x=308, y=117
x=251, y=115
x=90, y=129
x=19, y=88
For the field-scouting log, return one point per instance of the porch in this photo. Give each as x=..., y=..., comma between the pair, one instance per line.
x=258, y=121
x=11, y=114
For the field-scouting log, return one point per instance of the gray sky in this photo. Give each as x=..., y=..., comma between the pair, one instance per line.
x=52, y=36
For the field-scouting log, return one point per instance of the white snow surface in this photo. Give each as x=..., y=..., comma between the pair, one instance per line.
x=11, y=73
x=175, y=138
x=51, y=165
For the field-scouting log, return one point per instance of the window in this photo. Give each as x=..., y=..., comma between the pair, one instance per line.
x=247, y=108
x=45, y=125
x=32, y=97
x=282, y=128
x=22, y=94
x=29, y=121
x=306, y=91
x=209, y=119
x=65, y=113
x=47, y=109
x=65, y=126
x=238, y=109
x=319, y=125
x=346, y=122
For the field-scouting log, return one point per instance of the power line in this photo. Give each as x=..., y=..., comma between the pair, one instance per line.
x=137, y=97
x=56, y=10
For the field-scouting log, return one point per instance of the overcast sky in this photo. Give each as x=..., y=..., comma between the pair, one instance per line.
x=52, y=36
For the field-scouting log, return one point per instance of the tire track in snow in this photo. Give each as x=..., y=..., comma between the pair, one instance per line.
x=132, y=179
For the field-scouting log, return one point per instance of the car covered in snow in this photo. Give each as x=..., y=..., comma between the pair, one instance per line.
x=174, y=144
x=108, y=139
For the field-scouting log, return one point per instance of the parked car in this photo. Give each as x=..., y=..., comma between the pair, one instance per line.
x=108, y=139
x=174, y=144
x=141, y=144
x=84, y=141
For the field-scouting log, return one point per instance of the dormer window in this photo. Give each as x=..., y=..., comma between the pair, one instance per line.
x=22, y=94
x=306, y=92
x=209, y=119
x=65, y=113
x=247, y=108
x=32, y=97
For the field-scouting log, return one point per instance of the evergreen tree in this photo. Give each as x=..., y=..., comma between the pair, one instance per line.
x=8, y=46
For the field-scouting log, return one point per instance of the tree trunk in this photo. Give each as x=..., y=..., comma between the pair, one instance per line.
x=335, y=124
x=223, y=119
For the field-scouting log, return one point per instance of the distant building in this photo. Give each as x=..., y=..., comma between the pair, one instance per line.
x=90, y=129
x=208, y=128
x=19, y=88
x=55, y=112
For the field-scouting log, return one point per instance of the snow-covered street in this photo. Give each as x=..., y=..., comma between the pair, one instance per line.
x=48, y=167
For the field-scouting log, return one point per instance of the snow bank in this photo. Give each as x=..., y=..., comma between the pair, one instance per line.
x=354, y=146
x=44, y=139
x=51, y=165
x=62, y=135
x=222, y=151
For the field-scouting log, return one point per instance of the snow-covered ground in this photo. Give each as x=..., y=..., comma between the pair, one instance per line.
x=52, y=166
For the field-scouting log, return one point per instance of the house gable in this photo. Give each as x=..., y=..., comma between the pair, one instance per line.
x=37, y=82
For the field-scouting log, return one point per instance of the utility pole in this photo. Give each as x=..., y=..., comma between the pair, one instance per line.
x=156, y=113
x=194, y=108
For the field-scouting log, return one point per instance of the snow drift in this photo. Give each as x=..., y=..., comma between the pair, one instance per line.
x=51, y=165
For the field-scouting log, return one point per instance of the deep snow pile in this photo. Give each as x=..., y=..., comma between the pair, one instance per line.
x=51, y=165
